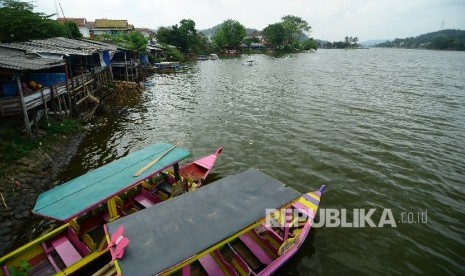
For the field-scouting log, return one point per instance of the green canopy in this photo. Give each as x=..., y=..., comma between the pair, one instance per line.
x=87, y=191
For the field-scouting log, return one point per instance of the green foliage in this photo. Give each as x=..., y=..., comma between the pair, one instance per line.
x=19, y=22
x=133, y=41
x=295, y=27
x=441, y=40
x=14, y=144
x=72, y=30
x=249, y=40
x=276, y=35
x=349, y=42
x=174, y=54
x=230, y=35
x=185, y=37
x=309, y=44
x=285, y=36
x=22, y=269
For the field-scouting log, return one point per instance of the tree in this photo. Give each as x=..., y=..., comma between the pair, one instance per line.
x=184, y=37
x=72, y=30
x=295, y=27
x=133, y=41
x=275, y=35
x=230, y=35
x=286, y=35
x=309, y=44
x=19, y=22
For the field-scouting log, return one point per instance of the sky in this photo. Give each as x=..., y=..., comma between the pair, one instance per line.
x=330, y=19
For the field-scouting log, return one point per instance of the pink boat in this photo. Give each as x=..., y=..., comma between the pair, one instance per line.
x=223, y=229
x=200, y=168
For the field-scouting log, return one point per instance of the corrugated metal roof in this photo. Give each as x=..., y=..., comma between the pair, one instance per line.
x=19, y=60
x=61, y=46
x=109, y=23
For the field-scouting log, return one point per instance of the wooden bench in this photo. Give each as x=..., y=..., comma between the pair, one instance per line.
x=146, y=199
x=210, y=265
x=256, y=249
x=65, y=249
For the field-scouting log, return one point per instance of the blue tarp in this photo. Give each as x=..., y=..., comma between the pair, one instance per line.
x=75, y=197
x=106, y=58
x=144, y=59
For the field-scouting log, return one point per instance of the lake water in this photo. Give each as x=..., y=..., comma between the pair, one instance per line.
x=382, y=128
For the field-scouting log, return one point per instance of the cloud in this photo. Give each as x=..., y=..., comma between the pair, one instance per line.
x=330, y=19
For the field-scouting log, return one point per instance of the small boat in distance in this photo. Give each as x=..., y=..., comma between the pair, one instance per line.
x=168, y=67
x=250, y=62
x=208, y=57
x=203, y=57
x=122, y=187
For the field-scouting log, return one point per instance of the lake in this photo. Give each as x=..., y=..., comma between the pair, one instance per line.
x=384, y=129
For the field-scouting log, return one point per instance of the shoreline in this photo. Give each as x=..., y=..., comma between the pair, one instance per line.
x=24, y=180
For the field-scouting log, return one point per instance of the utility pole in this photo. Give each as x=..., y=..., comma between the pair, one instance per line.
x=62, y=11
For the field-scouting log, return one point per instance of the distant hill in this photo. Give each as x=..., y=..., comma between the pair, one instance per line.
x=372, y=42
x=440, y=40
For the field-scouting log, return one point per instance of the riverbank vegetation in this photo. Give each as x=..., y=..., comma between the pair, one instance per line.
x=15, y=145
x=286, y=36
x=349, y=42
x=440, y=40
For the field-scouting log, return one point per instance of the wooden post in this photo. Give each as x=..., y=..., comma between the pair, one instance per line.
x=126, y=66
x=73, y=92
x=45, y=105
x=68, y=90
x=23, y=106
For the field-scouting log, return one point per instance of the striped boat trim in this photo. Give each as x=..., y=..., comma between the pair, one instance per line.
x=312, y=199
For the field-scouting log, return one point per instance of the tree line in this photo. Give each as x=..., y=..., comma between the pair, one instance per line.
x=19, y=22
x=349, y=42
x=284, y=36
x=440, y=40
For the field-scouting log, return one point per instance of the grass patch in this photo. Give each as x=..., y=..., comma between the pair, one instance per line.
x=14, y=144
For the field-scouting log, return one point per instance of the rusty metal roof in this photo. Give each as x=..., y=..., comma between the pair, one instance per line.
x=81, y=22
x=19, y=60
x=111, y=24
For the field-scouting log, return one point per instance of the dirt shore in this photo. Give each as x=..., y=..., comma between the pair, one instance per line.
x=25, y=179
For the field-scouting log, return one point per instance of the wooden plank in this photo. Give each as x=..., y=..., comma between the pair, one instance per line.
x=144, y=201
x=253, y=246
x=66, y=250
x=211, y=267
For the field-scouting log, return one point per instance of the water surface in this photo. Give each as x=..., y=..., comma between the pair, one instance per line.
x=382, y=128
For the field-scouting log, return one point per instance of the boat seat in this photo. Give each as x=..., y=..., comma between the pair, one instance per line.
x=241, y=262
x=210, y=265
x=65, y=249
x=146, y=199
x=224, y=263
x=255, y=248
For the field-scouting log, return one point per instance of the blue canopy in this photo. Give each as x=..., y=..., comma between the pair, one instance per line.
x=87, y=191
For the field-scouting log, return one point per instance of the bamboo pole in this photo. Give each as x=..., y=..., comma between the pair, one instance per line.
x=4, y=203
x=153, y=162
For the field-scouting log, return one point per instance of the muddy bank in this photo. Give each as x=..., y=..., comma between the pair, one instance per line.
x=25, y=179
x=29, y=176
